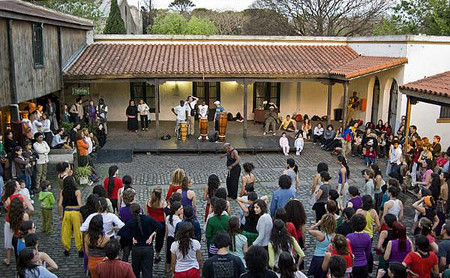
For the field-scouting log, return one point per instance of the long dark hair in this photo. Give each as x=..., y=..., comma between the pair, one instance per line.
x=25, y=261
x=295, y=213
x=343, y=160
x=95, y=231
x=102, y=205
x=16, y=211
x=173, y=208
x=291, y=163
x=219, y=207
x=399, y=233
x=136, y=212
x=234, y=228
x=184, y=237
x=10, y=188
x=213, y=185
x=286, y=265
x=90, y=207
x=111, y=172
x=280, y=239
x=68, y=193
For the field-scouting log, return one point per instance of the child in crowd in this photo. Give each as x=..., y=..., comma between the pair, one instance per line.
x=24, y=190
x=47, y=200
x=299, y=143
x=284, y=143
x=370, y=155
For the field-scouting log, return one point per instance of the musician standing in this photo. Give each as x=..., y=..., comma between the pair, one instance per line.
x=202, y=114
x=234, y=170
x=181, y=113
x=191, y=113
x=219, y=109
x=353, y=104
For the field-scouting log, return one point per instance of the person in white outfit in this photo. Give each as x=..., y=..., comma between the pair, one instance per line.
x=284, y=143
x=144, y=112
x=299, y=143
x=42, y=149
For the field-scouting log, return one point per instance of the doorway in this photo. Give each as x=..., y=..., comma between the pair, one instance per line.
x=393, y=99
x=208, y=92
x=375, y=100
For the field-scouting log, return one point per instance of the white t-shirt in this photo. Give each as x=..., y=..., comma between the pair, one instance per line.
x=171, y=228
x=190, y=106
x=181, y=112
x=203, y=110
x=109, y=221
x=143, y=109
x=90, y=144
x=190, y=260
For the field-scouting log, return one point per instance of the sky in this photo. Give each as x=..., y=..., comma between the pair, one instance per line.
x=220, y=5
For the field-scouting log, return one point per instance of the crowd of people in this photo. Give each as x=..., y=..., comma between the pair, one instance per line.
x=355, y=224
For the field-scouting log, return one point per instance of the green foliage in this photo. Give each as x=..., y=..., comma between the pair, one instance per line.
x=387, y=27
x=431, y=17
x=200, y=26
x=181, y=5
x=176, y=24
x=67, y=126
x=171, y=24
x=83, y=172
x=114, y=24
x=88, y=9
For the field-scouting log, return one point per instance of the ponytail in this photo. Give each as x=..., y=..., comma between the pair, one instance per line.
x=136, y=212
x=343, y=160
x=173, y=208
x=111, y=172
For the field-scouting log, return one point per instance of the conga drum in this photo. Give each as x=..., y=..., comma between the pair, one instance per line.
x=204, y=128
x=223, y=120
x=183, y=131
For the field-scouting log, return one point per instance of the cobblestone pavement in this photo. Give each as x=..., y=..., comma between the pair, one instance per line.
x=148, y=171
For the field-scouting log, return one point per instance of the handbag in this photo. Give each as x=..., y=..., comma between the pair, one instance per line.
x=193, y=111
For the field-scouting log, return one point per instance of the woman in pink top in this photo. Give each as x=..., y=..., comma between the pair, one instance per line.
x=426, y=177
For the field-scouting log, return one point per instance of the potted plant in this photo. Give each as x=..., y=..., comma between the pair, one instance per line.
x=82, y=174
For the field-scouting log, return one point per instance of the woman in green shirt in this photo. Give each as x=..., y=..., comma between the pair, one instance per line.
x=217, y=223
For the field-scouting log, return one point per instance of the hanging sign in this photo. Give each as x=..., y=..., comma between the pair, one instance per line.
x=80, y=91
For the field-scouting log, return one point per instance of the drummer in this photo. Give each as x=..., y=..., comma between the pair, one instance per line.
x=219, y=109
x=181, y=114
x=203, y=114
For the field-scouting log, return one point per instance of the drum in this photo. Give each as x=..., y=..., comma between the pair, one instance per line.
x=204, y=128
x=183, y=131
x=223, y=120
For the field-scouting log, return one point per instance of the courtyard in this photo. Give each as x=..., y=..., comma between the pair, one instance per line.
x=149, y=171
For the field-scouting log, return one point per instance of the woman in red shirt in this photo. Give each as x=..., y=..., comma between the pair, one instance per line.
x=112, y=184
x=340, y=247
x=155, y=209
x=423, y=262
x=175, y=182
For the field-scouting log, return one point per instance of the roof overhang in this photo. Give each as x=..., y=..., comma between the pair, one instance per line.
x=425, y=97
x=433, y=89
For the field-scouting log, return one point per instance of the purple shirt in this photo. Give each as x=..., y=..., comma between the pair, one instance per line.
x=125, y=213
x=357, y=202
x=396, y=255
x=361, y=246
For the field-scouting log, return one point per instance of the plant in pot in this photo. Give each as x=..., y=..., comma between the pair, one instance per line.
x=82, y=174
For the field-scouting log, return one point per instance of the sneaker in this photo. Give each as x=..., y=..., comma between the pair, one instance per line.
x=66, y=253
x=264, y=133
x=199, y=138
x=274, y=133
x=146, y=129
x=297, y=153
x=80, y=254
x=142, y=129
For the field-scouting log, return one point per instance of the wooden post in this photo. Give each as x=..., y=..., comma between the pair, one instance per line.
x=345, y=106
x=245, y=108
x=14, y=108
x=408, y=119
x=330, y=92
x=157, y=108
x=299, y=90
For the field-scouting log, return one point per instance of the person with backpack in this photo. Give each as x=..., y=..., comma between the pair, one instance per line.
x=191, y=102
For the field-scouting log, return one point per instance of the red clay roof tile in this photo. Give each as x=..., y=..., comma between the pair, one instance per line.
x=104, y=60
x=438, y=84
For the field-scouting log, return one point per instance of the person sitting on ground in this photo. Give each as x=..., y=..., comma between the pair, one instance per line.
x=113, y=267
x=299, y=143
x=60, y=140
x=318, y=133
x=270, y=121
x=288, y=125
x=284, y=144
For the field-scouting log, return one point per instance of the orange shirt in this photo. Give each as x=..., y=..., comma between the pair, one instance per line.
x=82, y=148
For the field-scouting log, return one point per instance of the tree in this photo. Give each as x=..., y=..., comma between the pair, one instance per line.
x=263, y=22
x=431, y=17
x=176, y=24
x=200, y=26
x=181, y=5
x=328, y=17
x=226, y=22
x=172, y=23
x=88, y=9
x=114, y=23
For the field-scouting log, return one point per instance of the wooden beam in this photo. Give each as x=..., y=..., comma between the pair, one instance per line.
x=428, y=98
x=14, y=108
x=156, y=83
x=60, y=59
x=330, y=92
x=299, y=91
x=345, y=106
x=408, y=121
x=35, y=19
x=245, y=109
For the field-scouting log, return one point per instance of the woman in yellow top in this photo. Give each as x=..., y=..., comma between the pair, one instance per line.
x=370, y=214
x=280, y=241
